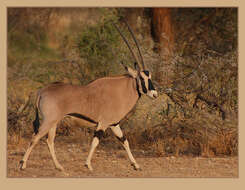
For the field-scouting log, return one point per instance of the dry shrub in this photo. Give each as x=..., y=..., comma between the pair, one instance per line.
x=224, y=143
x=199, y=136
x=15, y=130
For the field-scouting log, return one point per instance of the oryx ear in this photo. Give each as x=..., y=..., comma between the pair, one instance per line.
x=132, y=72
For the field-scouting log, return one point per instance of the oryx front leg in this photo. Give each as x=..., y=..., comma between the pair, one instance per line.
x=119, y=134
x=98, y=134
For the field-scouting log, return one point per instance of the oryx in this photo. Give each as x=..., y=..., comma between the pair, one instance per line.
x=103, y=103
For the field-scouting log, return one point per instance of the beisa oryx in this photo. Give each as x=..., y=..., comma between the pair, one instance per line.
x=102, y=103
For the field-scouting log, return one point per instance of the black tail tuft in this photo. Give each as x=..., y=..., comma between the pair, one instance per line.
x=36, y=123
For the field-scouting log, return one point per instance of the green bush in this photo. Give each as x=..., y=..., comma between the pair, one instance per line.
x=100, y=46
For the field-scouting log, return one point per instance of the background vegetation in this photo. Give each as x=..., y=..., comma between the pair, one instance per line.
x=197, y=110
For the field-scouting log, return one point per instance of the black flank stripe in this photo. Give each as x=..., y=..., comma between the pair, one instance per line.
x=82, y=117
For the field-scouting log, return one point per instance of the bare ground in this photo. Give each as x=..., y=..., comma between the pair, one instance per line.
x=112, y=163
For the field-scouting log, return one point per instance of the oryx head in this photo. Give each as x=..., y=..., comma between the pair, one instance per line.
x=142, y=76
x=143, y=80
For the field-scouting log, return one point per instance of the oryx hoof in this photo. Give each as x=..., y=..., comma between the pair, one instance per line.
x=88, y=166
x=136, y=167
x=65, y=174
x=60, y=168
x=22, y=165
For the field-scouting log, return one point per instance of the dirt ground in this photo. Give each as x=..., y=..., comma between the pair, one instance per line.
x=112, y=163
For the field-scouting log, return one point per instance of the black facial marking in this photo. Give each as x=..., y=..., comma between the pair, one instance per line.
x=151, y=87
x=147, y=73
x=99, y=134
x=122, y=139
x=143, y=85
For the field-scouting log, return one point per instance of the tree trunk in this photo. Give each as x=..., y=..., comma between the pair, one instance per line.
x=162, y=30
x=164, y=36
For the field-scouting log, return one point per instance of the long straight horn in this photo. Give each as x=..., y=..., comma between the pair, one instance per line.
x=125, y=40
x=131, y=32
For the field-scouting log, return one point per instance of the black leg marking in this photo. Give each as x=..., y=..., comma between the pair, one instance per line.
x=122, y=139
x=99, y=134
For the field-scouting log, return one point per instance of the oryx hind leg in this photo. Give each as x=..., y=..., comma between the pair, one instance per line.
x=119, y=134
x=44, y=128
x=98, y=134
x=50, y=142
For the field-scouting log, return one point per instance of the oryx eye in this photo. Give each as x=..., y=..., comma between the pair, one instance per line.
x=147, y=73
